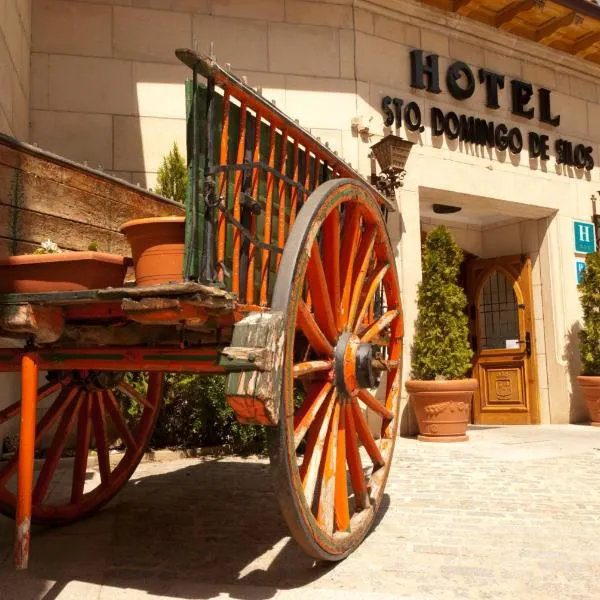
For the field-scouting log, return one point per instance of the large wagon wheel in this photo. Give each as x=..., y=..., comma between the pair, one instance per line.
x=337, y=287
x=87, y=412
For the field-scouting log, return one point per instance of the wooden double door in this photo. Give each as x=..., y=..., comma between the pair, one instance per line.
x=500, y=298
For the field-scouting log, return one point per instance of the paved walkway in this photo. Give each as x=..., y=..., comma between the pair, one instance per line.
x=512, y=514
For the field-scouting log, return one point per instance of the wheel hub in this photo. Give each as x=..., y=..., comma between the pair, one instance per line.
x=353, y=365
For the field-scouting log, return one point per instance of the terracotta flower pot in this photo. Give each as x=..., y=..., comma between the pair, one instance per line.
x=64, y=272
x=157, y=246
x=590, y=388
x=443, y=408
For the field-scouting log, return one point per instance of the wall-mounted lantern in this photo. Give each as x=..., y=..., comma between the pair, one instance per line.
x=391, y=153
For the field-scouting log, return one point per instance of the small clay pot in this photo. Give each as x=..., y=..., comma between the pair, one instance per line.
x=590, y=388
x=443, y=408
x=64, y=272
x=157, y=246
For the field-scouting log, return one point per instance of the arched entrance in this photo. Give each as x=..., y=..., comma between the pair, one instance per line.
x=502, y=333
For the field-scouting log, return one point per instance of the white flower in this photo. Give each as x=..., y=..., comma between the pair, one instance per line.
x=51, y=247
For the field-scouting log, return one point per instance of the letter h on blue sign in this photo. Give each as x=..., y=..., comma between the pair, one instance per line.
x=585, y=239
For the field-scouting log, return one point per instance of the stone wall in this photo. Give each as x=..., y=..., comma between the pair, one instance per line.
x=15, y=36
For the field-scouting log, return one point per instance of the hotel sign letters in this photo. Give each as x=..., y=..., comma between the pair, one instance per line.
x=461, y=84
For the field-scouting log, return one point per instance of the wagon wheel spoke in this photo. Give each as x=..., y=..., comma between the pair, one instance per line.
x=365, y=436
x=371, y=288
x=84, y=412
x=320, y=293
x=118, y=420
x=372, y=403
x=355, y=468
x=55, y=452
x=84, y=431
x=304, y=369
x=99, y=423
x=327, y=472
x=361, y=266
x=314, y=334
x=45, y=391
x=347, y=258
x=376, y=328
x=130, y=391
x=307, y=413
x=331, y=258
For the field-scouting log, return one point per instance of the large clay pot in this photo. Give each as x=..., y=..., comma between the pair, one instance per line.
x=64, y=272
x=443, y=408
x=590, y=388
x=157, y=246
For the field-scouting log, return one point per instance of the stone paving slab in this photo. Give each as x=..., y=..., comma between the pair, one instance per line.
x=512, y=514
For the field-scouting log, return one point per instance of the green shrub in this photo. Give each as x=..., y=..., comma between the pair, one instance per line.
x=172, y=176
x=589, y=336
x=441, y=348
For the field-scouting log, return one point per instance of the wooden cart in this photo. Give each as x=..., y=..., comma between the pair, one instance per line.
x=289, y=289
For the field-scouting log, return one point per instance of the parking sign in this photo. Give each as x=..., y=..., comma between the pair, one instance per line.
x=585, y=237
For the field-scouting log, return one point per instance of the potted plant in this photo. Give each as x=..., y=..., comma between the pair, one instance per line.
x=50, y=269
x=440, y=393
x=589, y=336
x=158, y=243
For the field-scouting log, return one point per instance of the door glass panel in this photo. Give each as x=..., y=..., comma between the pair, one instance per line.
x=498, y=314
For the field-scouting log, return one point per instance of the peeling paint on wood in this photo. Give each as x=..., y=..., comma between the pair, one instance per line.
x=254, y=394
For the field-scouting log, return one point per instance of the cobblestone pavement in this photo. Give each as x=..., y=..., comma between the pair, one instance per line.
x=512, y=514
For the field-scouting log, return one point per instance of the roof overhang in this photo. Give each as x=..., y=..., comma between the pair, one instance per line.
x=571, y=26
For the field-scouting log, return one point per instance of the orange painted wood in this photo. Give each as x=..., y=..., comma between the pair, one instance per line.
x=237, y=211
x=312, y=366
x=266, y=254
x=314, y=334
x=363, y=260
x=365, y=436
x=307, y=413
x=376, y=406
x=371, y=288
x=357, y=478
x=117, y=418
x=350, y=243
x=331, y=259
x=221, y=222
x=311, y=440
x=294, y=190
x=342, y=511
x=282, y=195
x=55, y=451
x=94, y=310
x=376, y=328
x=180, y=360
x=130, y=391
x=29, y=379
x=312, y=472
x=14, y=409
x=318, y=288
x=82, y=448
x=99, y=424
x=54, y=412
x=254, y=194
x=327, y=471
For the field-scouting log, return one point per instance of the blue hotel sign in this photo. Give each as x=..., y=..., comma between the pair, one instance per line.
x=585, y=238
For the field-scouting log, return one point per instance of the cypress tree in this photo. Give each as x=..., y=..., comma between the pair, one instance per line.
x=441, y=348
x=589, y=336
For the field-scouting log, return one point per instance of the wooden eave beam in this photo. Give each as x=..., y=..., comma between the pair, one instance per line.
x=548, y=31
x=584, y=46
x=457, y=5
x=504, y=17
